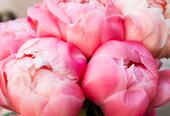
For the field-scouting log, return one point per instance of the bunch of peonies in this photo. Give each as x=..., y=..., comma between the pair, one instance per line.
x=104, y=51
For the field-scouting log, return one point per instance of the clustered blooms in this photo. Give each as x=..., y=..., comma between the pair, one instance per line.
x=106, y=51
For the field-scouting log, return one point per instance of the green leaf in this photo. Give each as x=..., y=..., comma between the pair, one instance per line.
x=9, y=113
x=90, y=109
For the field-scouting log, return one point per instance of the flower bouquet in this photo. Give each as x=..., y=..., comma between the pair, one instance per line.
x=86, y=58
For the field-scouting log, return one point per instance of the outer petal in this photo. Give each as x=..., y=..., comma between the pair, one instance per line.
x=66, y=105
x=163, y=94
x=100, y=81
x=46, y=24
x=126, y=103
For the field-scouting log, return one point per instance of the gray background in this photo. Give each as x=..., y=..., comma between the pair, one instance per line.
x=164, y=110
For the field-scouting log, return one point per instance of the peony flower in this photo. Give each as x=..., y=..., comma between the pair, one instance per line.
x=150, y=28
x=41, y=80
x=122, y=78
x=12, y=35
x=148, y=24
x=86, y=25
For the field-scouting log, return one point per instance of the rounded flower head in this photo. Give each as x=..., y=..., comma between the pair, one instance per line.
x=150, y=28
x=12, y=35
x=148, y=24
x=86, y=25
x=121, y=78
x=41, y=80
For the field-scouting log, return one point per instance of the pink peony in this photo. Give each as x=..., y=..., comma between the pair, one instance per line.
x=12, y=35
x=41, y=80
x=148, y=24
x=85, y=25
x=122, y=78
x=150, y=28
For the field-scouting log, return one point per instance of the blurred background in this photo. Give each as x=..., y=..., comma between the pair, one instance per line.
x=11, y=9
